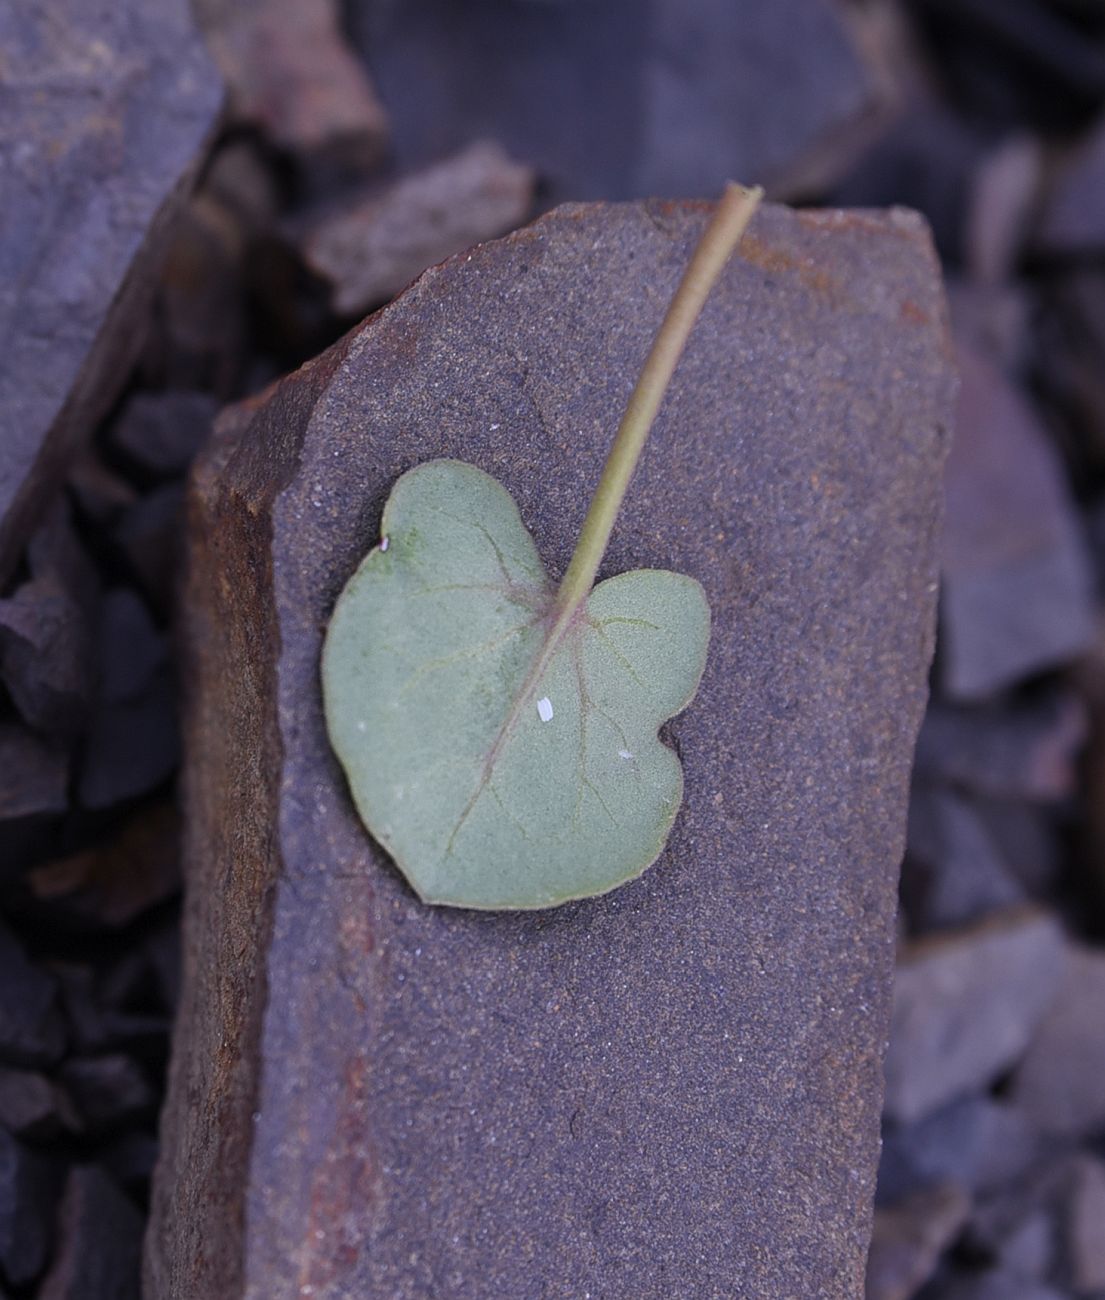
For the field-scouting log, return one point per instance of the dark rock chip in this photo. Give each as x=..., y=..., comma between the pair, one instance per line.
x=1085, y=1225
x=1029, y=1251
x=954, y=872
x=161, y=432
x=201, y=331
x=994, y=1284
x=28, y=1192
x=1016, y=752
x=130, y=650
x=33, y=774
x=1004, y=198
x=130, y=1159
x=977, y=1143
x=132, y=745
x=105, y=121
x=1059, y=1083
x=148, y=535
x=371, y=250
x=614, y=102
x=966, y=1005
x=116, y=882
x=910, y=1237
x=99, y=1242
x=32, y=1032
x=97, y=1026
x=1074, y=218
x=33, y=1108
x=1017, y=586
x=648, y=1094
x=927, y=159
x=1016, y=1226
x=1048, y=1226
x=44, y=658
x=1027, y=837
x=107, y=1091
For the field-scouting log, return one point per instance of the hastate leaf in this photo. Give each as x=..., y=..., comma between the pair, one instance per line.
x=499, y=770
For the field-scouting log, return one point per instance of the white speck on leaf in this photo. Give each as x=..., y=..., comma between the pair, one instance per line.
x=544, y=709
x=384, y=544
x=624, y=753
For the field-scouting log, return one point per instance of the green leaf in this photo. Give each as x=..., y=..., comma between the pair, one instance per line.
x=504, y=756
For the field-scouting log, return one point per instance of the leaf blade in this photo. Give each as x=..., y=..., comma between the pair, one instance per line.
x=435, y=663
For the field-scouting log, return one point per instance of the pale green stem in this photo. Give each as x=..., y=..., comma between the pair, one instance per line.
x=722, y=235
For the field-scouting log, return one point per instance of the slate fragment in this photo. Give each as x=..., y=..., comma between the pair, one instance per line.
x=115, y=882
x=995, y=1284
x=954, y=872
x=111, y=109
x=32, y=1032
x=291, y=73
x=100, y=1246
x=371, y=249
x=1073, y=220
x=1059, y=1081
x=644, y=1094
x=108, y=1091
x=1020, y=751
x=977, y=1143
x=28, y=1190
x=33, y=1108
x=131, y=745
x=612, y=101
x=33, y=774
x=909, y=1238
x=43, y=656
x=1085, y=1225
x=1017, y=582
x=161, y=432
x=966, y=1005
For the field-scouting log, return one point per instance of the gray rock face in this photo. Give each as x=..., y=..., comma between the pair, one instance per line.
x=671, y=1090
x=104, y=117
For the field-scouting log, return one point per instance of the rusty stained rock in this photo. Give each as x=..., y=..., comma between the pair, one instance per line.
x=643, y=1095
x=105, y=114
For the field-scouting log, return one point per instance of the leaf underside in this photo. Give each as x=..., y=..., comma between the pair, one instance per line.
x=492, y=787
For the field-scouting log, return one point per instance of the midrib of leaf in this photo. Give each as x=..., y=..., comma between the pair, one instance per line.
x=567, y=611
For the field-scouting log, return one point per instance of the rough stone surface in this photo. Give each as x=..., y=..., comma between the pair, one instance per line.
x=625, y=100
x=104, y=116
x=644, y=1095
x=966, y=1006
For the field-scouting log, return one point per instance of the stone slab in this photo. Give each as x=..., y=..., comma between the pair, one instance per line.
x=672, y=1090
